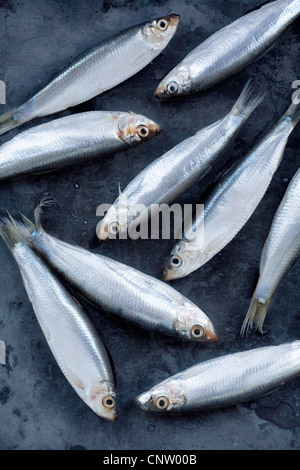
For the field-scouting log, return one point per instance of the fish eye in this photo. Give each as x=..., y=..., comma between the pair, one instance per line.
x=143, y=131
x=108, y=401
x=162, y=24
x=197, y=331
x=172, y=87
x=175, y=261
x=114, y=227
x=161, y=403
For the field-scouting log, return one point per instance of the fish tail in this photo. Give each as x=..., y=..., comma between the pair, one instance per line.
x=46, y=201
x=13, y=231
x=247, y=101
x=255, y=315
x=8, y=122
x=293, y=111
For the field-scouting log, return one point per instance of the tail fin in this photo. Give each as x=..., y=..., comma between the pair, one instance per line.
x=255, y=316
x=13, y=231
x=7, y=121
x=46, y=201
x=293, y=111
x=247, y=102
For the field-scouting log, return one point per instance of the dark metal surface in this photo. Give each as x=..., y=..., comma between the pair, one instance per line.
x=38, y=408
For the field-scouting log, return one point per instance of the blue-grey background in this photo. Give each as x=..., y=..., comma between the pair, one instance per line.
x=38, y=408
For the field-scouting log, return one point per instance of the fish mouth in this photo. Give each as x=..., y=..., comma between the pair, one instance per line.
x=112, y=418
x=173, y=19
x=102, y=232
x=161, y=92
x=143, y=400
x=170, y=274
x=154, y=130
x=210, y=335
x=166, y=275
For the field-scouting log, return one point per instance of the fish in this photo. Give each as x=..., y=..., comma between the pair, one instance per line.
x=232, y=201
x=73, y=139
x=280, y=252
x=69, y=332
x=104, y=66
x=170, y=175
x=227, y=380
x=119, y=289
x=229, y=50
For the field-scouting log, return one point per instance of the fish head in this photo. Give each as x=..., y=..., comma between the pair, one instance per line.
x=182, y=261
x=159, y=31
x=136, y=128
x=192, y=324
x=178, y=82
x=116, y=221
x=102, y=400
x=166, y=396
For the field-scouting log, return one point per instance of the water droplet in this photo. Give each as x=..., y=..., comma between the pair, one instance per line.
x=76, y=185
x=151, y=428
x=285, y=180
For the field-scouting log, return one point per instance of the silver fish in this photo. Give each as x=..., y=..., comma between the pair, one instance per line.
x=120, y=289
x=230, y=49
x=72, y=139
x=280, y=252
x=233, y=200
x=173, y=173
x=101, y=68
x=71, y=336
x=227, y=380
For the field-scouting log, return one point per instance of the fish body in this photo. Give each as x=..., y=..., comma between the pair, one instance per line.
x=72, y=139
x=227, y=380
x=101, y=68
x=71, y=336
x=280, y=252
x=233, y=200
x=169, y=176
x=122, y=290
x=230, y=49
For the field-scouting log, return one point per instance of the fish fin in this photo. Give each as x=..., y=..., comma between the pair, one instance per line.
x=144, y=58
x=193, y=371
x=44, y=172
x=255, y=315
x=13, y=231
x=258, y=7
x=247, y=101
x=74, y=379
x=28, y=225
x=267, y=50
x=293, y=111
x=213, y=245
x=7, y=121
x=46, y=201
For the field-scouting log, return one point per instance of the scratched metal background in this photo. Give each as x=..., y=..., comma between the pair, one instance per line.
x=38, y=408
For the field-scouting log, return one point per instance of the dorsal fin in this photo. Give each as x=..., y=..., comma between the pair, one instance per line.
x=257, y=7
